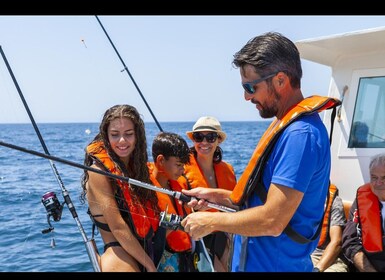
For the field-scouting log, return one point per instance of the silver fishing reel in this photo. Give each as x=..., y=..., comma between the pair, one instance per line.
x=170, y=221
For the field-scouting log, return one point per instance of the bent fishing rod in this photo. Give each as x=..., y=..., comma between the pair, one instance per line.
x=49, y=199
x=129, y=74
x=178, y=195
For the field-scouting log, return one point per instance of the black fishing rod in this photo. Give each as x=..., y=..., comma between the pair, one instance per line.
x=176, y=194
x=49, y=199
x=129, y=74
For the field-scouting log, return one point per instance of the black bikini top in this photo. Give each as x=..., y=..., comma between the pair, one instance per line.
x=100, y=225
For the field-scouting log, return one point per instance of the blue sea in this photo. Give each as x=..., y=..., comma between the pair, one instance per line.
x=24, y=178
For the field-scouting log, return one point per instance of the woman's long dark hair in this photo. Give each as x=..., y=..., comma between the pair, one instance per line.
x=137, y=165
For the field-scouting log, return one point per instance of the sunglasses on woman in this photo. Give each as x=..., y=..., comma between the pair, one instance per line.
x=211, y=137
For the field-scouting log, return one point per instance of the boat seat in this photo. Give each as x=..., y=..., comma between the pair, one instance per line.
x=347, y=204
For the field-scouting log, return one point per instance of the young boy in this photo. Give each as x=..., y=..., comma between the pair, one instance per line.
x=170, y=153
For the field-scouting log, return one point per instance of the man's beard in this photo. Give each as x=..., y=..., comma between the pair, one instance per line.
x=270, y=111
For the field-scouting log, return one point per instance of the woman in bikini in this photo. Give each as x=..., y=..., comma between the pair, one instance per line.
x=126, y=215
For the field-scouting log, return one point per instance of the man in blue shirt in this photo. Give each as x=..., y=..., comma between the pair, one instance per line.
x=290, y=167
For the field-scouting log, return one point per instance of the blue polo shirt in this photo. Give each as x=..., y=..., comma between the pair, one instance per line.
x=299, y=160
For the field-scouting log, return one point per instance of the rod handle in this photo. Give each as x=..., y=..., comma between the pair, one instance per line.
x=185, y=198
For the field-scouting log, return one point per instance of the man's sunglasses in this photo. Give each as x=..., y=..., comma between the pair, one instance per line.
x=211, y=137
x=249, y=87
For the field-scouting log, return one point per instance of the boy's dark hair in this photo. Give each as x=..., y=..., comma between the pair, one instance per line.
x=170, y=144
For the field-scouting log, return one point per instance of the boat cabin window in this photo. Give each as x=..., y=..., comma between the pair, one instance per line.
x=368, y=129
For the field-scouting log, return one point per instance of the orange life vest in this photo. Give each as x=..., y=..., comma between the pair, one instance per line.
x=177, y=240
x=224, y=174
x=370, y=219
x=324, y=236
x=142, y=219
x=253, y=172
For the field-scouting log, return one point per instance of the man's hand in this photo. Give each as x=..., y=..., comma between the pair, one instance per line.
x=199, y=224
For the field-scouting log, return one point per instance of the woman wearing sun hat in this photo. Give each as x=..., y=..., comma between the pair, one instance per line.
x=207, y=169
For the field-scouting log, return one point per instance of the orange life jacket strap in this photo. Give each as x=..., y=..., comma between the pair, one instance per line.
x=333, y=191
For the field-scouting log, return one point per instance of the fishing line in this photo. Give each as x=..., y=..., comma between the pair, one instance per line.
x=89, y=243
x=28, y=224
x=129, y=74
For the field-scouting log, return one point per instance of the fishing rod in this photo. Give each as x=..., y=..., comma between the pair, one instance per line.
x=129, y=74
x=178, y=195
x=49, y=199
x=160, y=128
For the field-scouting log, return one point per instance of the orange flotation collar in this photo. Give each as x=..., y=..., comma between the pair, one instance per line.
x=253, y=172
x=193, y=176
x=224, y=174
x=370, y=219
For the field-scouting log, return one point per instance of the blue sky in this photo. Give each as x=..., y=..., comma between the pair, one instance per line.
x=68, y=71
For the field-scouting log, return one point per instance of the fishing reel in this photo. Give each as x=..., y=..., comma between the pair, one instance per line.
x=53, y=207
x=170, y=221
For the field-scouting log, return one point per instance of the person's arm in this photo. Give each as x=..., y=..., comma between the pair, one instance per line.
x=337, y=224
x=269, y=219
x=103, y=193
x=332, y=250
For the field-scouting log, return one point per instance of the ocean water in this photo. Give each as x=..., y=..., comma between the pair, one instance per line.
x=24, y=178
